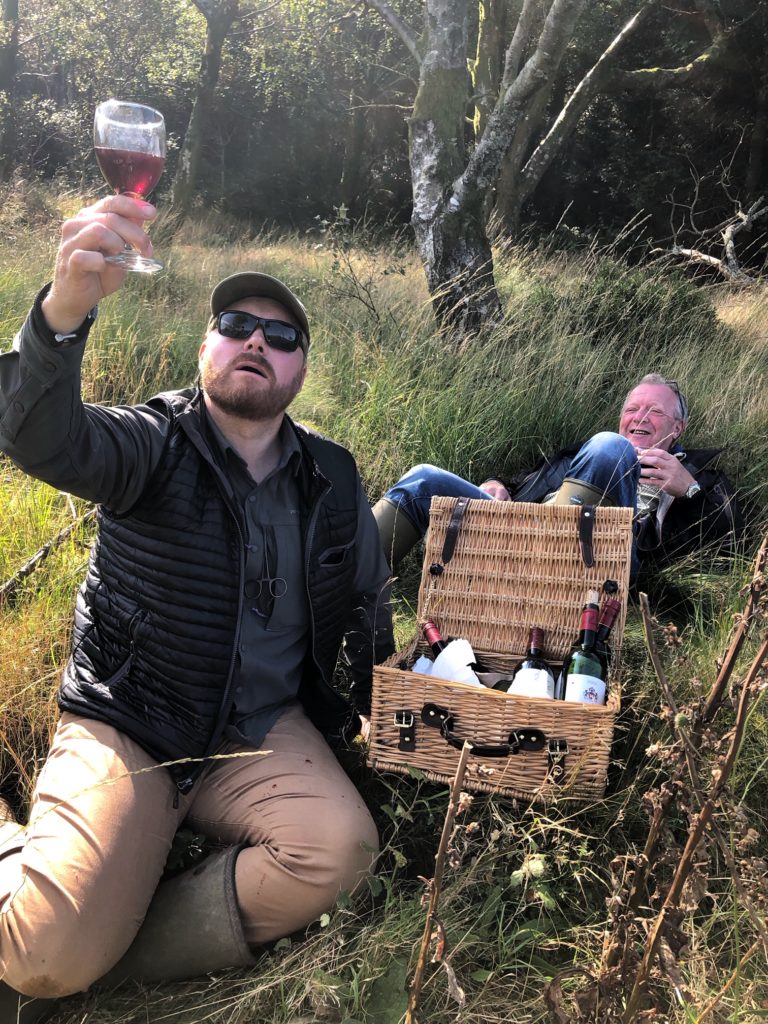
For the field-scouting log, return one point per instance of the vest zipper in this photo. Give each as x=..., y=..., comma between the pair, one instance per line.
x=308, y=536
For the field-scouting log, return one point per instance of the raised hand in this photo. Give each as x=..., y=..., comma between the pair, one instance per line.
x=661, y=468
x=496, y=489
x=82, y=276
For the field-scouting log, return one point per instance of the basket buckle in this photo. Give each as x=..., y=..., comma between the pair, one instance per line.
x=405, y=721
x=557, y=750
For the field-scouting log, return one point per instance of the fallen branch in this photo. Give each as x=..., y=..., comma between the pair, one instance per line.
x=9, y=588
x=728, y=266
x=434, y=886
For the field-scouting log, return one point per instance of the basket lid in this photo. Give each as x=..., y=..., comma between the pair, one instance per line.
x=516, y=565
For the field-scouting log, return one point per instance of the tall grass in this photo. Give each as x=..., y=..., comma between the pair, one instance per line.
x=529, y=897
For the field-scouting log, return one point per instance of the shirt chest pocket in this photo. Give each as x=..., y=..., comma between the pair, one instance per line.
x=289, y=609
x=335, y=557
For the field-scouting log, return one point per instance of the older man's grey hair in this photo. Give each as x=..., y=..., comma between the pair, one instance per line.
x=681, y=413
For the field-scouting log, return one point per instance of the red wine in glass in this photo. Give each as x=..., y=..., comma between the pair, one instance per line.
x=129, y=140
x=128, y=171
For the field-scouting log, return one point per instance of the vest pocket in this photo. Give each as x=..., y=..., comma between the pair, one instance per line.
x=119, y=675
x=333, y=557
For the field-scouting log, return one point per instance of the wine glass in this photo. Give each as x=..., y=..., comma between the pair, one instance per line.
x=129, y=139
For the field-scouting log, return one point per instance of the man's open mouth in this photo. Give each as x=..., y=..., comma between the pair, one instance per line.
x=252, y=368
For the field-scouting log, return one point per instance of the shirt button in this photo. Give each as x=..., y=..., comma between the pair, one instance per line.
x=243, y=648
x=251, y=497
x=238, y=689
x=18, y=406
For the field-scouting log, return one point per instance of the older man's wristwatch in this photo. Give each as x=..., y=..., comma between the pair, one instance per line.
x=693, y=490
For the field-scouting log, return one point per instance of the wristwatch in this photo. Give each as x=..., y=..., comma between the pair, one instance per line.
x=693, y=490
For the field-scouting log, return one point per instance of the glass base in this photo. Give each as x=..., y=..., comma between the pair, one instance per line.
x=131, y=260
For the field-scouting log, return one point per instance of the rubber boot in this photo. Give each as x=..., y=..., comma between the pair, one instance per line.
x=577, y=492
x=397, y=532
x=192, y=927
x=18, y=1009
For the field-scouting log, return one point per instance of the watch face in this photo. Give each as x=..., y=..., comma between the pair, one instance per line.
x=693, y=490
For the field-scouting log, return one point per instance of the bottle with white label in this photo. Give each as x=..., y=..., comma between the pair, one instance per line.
x=533, y=677
x=584, y=671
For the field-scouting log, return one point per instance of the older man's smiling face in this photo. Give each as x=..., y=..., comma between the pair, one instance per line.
x=649, y=417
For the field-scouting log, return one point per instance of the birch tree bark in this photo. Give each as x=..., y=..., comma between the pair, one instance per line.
x=451, y=186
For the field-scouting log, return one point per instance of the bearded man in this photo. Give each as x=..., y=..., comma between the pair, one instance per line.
x=235, y=553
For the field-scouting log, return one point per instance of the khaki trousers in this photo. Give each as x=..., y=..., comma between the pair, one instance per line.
x=76, y=883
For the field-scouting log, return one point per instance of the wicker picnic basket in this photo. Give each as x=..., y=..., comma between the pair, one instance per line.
x=491, y=571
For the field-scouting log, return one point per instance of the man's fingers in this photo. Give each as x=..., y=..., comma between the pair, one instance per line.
x=123, y=206
x=108, y=234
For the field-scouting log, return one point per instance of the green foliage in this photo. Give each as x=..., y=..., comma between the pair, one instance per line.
x=635, y=308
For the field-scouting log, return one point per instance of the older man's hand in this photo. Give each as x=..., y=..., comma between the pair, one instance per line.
x=661, y=468
x=82, y=277
x=496, y=489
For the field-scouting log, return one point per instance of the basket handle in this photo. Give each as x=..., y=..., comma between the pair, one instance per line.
x=519, y=739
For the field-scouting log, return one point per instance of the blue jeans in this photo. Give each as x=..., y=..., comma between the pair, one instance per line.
x=607, y=461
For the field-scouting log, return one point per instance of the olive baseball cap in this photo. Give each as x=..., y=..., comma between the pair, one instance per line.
x=252, y=285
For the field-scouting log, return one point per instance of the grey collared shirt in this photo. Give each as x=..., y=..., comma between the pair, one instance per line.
x=274, y=625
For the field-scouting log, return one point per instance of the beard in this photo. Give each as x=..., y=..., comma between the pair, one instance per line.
x=237, y=399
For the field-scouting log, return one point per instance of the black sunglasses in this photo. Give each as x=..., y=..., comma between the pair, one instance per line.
x=233, y=323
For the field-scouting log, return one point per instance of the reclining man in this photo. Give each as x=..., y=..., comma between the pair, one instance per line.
x=682, y=502
x=235, y=551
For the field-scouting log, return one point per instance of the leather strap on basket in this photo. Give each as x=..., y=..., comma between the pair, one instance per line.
x=586, y=529
x=519, y=739
x=405, y=721
x=451, y=536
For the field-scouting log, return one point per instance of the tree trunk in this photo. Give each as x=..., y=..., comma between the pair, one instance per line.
x=754, y=182
x=509, y=200
x=532, y=171
x=219, y=18
x=9, y=42
x=488, y=62
x=354, y=149
x=450, y=234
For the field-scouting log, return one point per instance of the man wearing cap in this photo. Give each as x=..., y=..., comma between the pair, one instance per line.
x=235, y=552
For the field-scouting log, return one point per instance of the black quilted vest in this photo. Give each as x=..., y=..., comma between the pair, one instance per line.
x=156, y=618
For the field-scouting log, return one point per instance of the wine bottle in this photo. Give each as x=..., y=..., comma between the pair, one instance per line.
x=532, y=676
x=608, y=614
x=454, y=659
x=592, y=603
x=583, y=672
x=434, y=637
